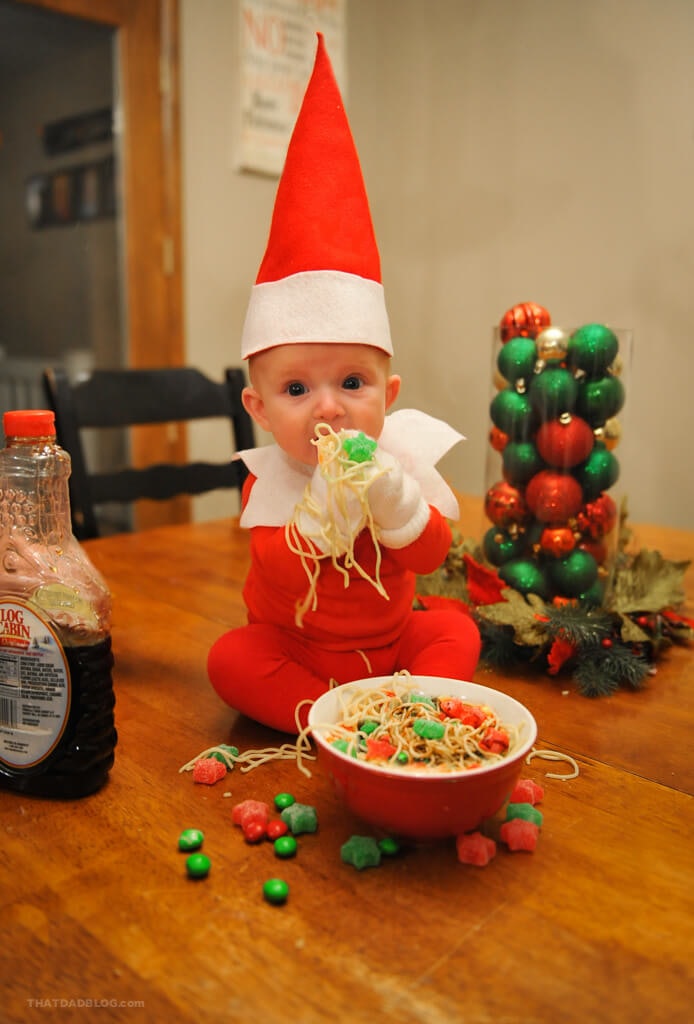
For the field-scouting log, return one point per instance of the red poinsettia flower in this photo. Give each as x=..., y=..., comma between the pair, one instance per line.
x=484, y=585
x=560, y=651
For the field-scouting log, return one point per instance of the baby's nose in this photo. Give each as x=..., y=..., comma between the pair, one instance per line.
x=328, y=406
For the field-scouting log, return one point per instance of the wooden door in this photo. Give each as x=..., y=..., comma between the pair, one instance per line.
x=147, y=59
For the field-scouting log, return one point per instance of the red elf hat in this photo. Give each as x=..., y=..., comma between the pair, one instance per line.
x=320, y=278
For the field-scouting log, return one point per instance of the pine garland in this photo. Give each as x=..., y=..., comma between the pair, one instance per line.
x=602, y=648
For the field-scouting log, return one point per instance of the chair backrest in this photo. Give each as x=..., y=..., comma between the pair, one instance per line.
x=133, y=397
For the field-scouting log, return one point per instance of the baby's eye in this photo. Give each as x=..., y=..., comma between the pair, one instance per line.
x=296, y=388
x=352, y=383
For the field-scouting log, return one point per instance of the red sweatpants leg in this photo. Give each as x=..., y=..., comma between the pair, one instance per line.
x=264, y=672
x=440, y=643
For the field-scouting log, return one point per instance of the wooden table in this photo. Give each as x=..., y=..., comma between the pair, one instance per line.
x=594, y=926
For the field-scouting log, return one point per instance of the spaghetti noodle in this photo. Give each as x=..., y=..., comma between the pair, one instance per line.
x=397, y=727
x=556, y=755
x=341, y=518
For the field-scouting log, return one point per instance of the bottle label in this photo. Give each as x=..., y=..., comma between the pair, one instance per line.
x=34, y=687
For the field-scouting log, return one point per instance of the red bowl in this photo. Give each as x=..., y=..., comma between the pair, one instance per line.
x=425, y=805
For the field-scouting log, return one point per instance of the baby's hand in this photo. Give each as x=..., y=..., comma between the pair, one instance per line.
x=330, y=517
x=396, y=503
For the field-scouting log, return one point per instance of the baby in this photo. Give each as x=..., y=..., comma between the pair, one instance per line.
x=331, y=585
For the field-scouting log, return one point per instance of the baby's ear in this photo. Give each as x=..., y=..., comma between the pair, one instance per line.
x=392, y=388
x=255, y=407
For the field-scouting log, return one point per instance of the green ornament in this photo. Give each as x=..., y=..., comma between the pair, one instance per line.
x=517, y=358
x=532, y=535
x=553, y=392
x=598, y=473
x=500, y=547
x=513, y=414
x=525, y=576
x=595, y=595
x=574, y=574
x=521, y=461
x=592, y=348
x=599, y=400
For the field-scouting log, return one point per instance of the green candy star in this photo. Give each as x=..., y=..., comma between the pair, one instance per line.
x=361, y=851
x=359, y=448
x=300, y=818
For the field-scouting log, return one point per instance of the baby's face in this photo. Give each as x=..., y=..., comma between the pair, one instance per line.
x=295, y=387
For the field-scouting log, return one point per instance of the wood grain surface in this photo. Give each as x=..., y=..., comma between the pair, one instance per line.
x=100, y=920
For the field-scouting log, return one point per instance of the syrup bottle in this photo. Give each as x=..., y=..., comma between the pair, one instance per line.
x=57, y=729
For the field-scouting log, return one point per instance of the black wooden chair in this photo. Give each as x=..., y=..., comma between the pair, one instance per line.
x=133, y=397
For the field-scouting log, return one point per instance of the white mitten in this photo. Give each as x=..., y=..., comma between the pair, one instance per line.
x=330, y=514
x=397, y=506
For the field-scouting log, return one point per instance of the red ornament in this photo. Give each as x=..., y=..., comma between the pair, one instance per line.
x=599, y=517
x=557, y=540
x=553, y=497
x=498, y=439
x=526, y=320
x=596, y=548
x=505, y=505
x=565, y=442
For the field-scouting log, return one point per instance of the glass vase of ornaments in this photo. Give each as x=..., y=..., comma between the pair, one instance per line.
x=551, y=511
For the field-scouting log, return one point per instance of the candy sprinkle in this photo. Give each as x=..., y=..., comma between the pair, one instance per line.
x=190, y=839
x=285, y=846
x=283, y=800
x=275, y=891
x=198, y=865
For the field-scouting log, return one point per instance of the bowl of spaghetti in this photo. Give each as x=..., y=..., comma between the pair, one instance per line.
x=421, y=757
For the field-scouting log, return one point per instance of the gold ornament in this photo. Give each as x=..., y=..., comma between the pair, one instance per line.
x=552, y=344
x=612, y=432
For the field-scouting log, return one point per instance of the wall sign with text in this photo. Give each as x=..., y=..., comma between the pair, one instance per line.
x=278, y=46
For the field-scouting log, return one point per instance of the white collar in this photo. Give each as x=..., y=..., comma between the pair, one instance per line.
x=416, y=439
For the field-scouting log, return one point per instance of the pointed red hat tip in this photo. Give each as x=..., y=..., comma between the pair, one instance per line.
x=321, y=219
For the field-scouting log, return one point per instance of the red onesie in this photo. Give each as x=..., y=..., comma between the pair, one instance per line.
x=266, y=668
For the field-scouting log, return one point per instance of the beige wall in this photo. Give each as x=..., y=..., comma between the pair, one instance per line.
x=512, y=150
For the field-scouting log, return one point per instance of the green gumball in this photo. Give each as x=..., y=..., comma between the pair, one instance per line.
x=599, y=400
x=521, y=461
x=513, y=414
x=517, y=358
x=592, y=349
x=500, y=547
x=575, y=574
x=553, y=392
x=598, y=473
x=525, y=576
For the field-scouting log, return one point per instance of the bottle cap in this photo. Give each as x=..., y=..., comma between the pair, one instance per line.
x=29, y=423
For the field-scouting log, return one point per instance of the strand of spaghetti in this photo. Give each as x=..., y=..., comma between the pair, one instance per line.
x=343, y=478
x=256, y=758
x=229, y=759
x=555, y=755
x=391, y=715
